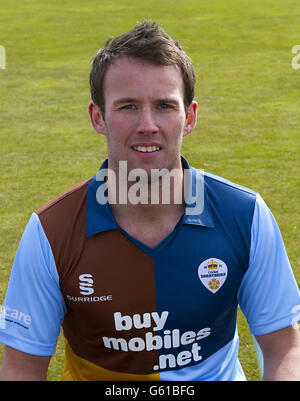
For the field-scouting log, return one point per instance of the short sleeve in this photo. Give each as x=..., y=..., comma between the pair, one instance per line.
x=269, y=294
x=34, y=307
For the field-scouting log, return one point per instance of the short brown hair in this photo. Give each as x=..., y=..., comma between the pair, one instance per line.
x=146, y=41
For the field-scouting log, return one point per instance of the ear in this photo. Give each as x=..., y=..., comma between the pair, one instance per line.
x=191, y=119
x=97, y=118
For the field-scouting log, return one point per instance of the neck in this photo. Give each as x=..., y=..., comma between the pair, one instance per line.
x=147, y=198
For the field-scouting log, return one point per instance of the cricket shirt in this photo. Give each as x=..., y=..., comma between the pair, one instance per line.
x=131, y=312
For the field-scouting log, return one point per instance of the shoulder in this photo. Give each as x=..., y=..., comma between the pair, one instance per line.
x=63, y=217
x=225, y=185
x=64, y=200
x=228, y=196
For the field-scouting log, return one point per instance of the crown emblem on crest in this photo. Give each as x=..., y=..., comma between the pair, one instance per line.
x=212, y=265
x=213, y=273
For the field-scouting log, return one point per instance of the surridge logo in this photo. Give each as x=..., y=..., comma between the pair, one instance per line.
x=86, y=284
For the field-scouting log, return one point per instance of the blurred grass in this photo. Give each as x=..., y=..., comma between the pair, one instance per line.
x=248, y=97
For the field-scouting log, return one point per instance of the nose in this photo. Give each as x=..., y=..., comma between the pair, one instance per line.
x=146, y=122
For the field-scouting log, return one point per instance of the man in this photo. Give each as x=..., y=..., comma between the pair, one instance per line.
x=147, y=289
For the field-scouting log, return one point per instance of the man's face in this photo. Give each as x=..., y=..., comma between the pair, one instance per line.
x=145, y=119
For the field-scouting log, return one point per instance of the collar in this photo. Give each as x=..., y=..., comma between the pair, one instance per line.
x=99, y=217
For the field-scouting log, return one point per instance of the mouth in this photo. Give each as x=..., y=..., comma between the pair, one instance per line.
x=146, y=149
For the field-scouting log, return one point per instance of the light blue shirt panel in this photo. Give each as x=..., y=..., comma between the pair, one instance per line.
x=33, y=290
x=223, y=365
x=268, y=293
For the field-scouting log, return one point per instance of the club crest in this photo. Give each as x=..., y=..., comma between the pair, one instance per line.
x=212, y=274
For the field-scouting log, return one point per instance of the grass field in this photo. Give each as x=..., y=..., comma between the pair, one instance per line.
x=248, y=95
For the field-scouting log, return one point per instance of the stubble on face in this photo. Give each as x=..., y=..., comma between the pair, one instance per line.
x=134, y=115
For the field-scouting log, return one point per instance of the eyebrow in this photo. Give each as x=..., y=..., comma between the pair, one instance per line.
x=168, y=100
x=134, y=100
x=124, y=100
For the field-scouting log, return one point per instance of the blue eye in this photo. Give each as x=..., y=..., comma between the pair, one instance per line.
x=129, y=107
x=165, y=106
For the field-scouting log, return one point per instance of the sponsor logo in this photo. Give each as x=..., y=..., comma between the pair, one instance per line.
x=101, y=298
x=14, y=316
x=157, y=338
x=212, y=274
x=86, y=284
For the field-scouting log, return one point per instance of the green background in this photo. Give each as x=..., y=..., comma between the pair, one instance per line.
x=247, y=90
